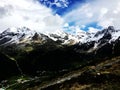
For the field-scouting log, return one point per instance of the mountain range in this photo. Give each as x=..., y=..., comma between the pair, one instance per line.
x=31, y=53
x=25, y=35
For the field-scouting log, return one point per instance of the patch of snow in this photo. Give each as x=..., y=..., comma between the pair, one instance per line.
x=95, y=45
x=115, y=35
x=93, y=38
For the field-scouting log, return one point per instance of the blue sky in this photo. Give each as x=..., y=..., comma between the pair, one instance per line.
x=52, y=15
x=66, y=5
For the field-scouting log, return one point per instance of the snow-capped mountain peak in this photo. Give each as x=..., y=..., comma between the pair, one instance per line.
x=17, y=30
x=109, y=33
x=64, y=37
x=16, y=35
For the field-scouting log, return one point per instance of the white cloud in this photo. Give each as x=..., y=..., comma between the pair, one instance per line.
x=92, y=30
x=57, y=3
x=104, y=12
x=53, y=22
x=29, y=13
x=61, y=3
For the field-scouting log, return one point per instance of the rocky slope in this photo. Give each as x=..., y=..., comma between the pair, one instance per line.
x=102, y=76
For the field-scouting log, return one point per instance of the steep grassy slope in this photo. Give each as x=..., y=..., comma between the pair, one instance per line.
x=100, y=75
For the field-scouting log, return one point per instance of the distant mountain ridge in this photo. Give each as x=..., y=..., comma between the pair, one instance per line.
x=25, y=35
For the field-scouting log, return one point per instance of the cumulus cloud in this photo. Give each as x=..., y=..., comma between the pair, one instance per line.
x=57, y=3
x=28, y=13
x=79, y=30
x=104, y=12
x=93, y=30
x=61, y=3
